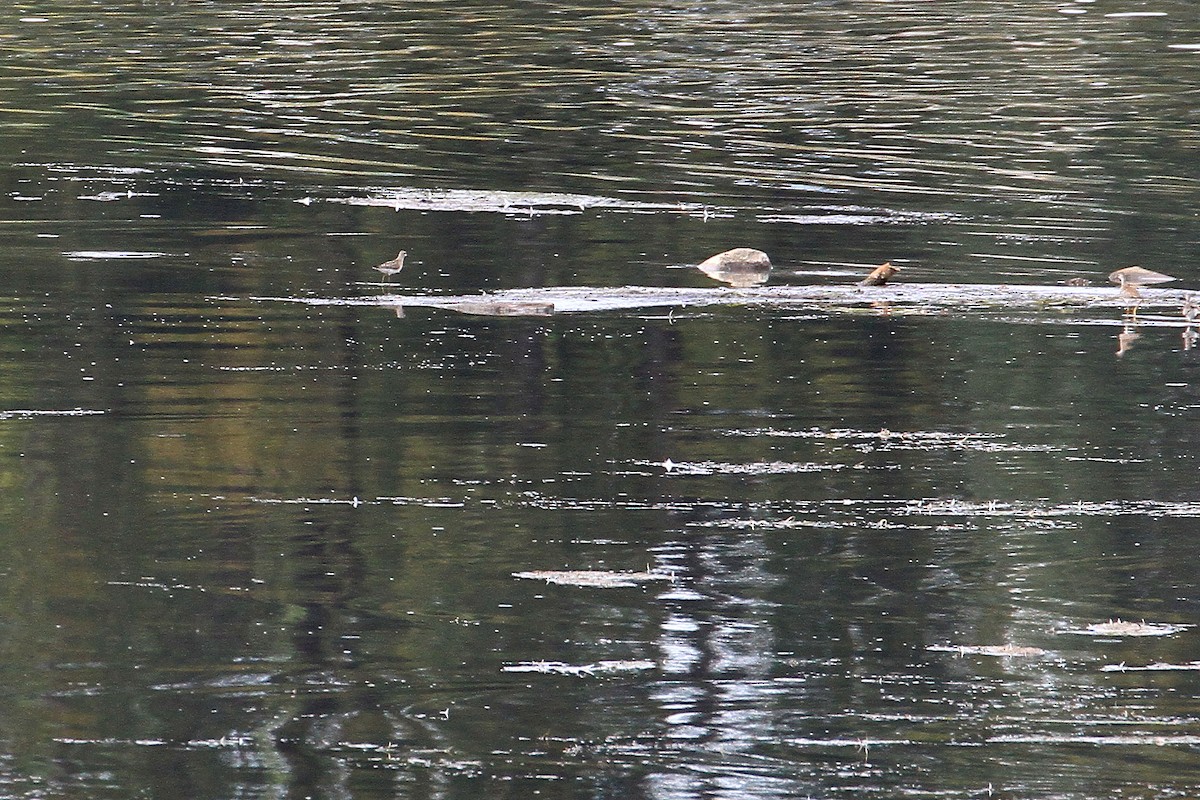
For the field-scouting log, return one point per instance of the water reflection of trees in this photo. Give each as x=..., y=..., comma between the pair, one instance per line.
x=531, y=439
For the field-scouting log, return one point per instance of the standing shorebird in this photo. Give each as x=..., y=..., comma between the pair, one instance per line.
x=390, y=268
x=880, y=275
x=1191, y=309
x=1131, y=278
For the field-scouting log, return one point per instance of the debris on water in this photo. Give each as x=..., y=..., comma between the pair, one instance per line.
x=511, y=202
x=103, y=255
x=24, y=413
x=597, y=578
x=108, y=197
x=1158, y=666
x=1119, y=740
x=999, y=651
x=885, y=440
x=493, y=308
x=857, y=215
x=579, y=670
x=756, y=468
x=1118, y=627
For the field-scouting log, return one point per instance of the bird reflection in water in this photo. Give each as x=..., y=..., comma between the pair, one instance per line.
x=1127, y=336
x=1191, y=312
x=1191, y=315
x=741, y=267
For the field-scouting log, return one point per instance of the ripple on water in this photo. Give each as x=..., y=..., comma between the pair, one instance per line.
x=1011, y=112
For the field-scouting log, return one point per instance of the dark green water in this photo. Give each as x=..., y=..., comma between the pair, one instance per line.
x=254, y=548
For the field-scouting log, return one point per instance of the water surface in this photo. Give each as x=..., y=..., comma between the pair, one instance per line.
x=261, y=548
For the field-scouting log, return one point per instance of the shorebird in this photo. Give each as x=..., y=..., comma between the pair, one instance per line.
x=1132, y=277
x=390, y=268
x=880, y=275
x=1191, y=309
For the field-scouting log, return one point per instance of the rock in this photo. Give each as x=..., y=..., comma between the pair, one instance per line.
x=741, y=267
x=1132, y=277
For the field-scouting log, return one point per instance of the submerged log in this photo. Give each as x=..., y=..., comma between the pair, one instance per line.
x=501, y=308
x=915, y=298
x=926, y=297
